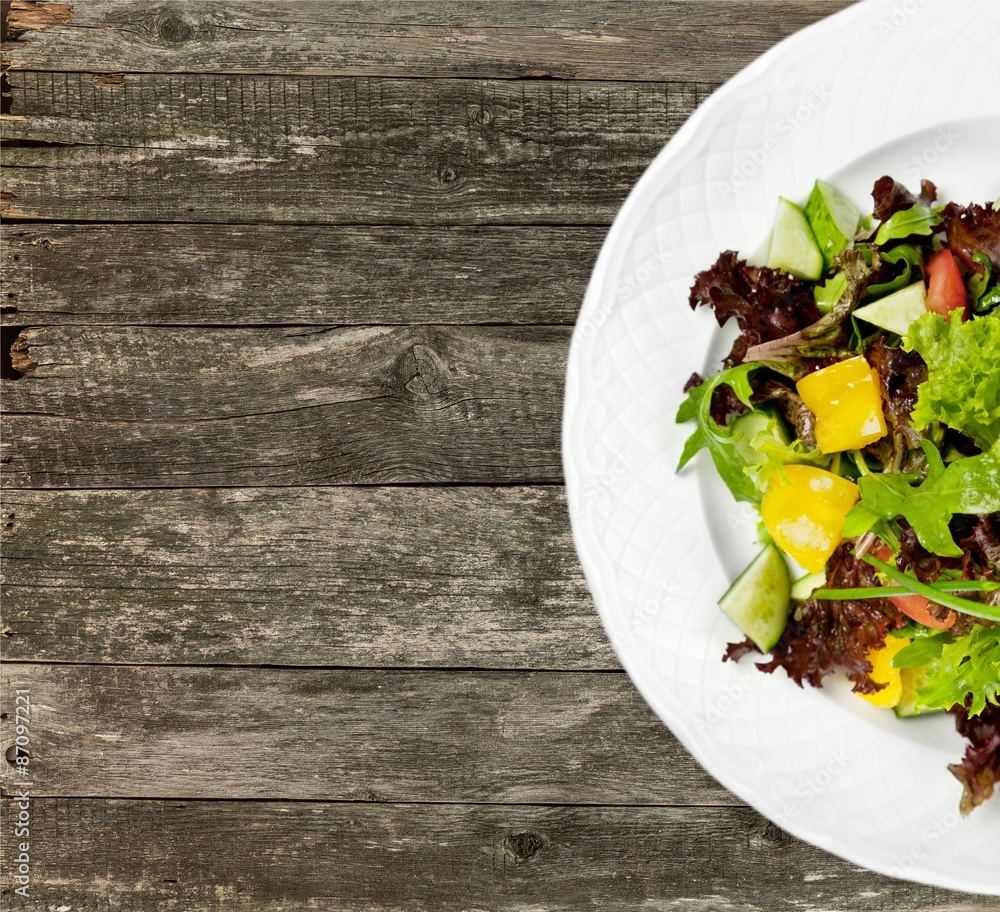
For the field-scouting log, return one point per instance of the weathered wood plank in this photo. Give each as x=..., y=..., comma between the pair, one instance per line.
x=317, y=150
x=154, y=731
x=139, y=856
x=708, y=40
x=296, y=275
x=453, y=577
x=169, y=407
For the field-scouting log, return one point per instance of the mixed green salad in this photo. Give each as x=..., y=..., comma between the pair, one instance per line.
x=859, y=411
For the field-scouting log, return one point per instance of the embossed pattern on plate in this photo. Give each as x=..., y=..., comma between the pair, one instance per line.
x=871, y=90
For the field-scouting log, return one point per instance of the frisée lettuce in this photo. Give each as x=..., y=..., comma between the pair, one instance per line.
x=962, y=389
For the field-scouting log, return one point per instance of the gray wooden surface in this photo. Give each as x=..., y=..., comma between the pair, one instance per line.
x=287, y=567
x=302, y=275
x=334, y=150
x=289, y=406
x=430, y=577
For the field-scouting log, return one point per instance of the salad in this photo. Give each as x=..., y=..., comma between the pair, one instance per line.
x=859, y=411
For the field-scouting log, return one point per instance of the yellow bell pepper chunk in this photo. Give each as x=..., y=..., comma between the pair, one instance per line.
x=804, y=508
x=883, y=673
x=847, y=402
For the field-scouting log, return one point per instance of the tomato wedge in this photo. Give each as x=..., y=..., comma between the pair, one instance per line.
x=915, y=607
x=945, y=288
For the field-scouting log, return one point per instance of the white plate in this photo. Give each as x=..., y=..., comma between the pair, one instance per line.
x=905, y=87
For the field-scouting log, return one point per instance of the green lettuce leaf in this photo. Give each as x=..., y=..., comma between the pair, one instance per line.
x=962, y=389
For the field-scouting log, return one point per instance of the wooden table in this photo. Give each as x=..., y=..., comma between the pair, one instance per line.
x=289, y=578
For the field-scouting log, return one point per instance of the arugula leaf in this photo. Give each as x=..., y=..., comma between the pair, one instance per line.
x=918, y=219
x=989, y=300
x=970, y=485
x=881, y=499
x=980, y=279
x=921, y=651
x=719, y=441
x=956, y=668
x=962, y=389
x=911, y=258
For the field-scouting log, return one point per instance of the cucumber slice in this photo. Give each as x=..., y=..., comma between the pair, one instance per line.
x=834, y=219
x=753, y=432
x=913, y=679
x=793, y=246
x=897, y=311
x=758, y=602
x=805, y=586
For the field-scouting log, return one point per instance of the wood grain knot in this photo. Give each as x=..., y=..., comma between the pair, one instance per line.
x=482, y=115
x=766, y=835
x=173, y=29
x=523, y=846
x=421, y=372
x=447, y=174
